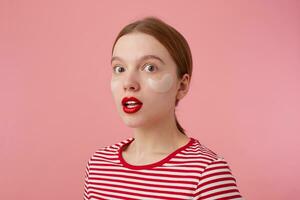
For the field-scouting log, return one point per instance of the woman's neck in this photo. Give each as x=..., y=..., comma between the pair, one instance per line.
x=163, y=138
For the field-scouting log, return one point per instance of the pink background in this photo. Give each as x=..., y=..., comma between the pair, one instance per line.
x=56, y=107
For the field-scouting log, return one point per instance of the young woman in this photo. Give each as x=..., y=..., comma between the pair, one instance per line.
x=151, y=72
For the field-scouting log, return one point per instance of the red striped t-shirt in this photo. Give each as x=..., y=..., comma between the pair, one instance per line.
x=191, y=172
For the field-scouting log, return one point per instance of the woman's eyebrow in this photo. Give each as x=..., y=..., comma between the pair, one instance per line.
x=145, y=57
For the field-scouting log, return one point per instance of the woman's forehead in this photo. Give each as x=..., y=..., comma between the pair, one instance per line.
x=134, y=46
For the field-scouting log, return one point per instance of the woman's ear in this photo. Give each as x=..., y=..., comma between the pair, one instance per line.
x=184, y=85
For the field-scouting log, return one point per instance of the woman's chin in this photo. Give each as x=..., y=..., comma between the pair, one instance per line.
x=132, y=123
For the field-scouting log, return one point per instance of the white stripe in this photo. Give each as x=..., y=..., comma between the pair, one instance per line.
x=95, y=162
x=145, y=176
x=215, y=171
x=159, y=182
x=213, y=178
x=218, y=190
x=150, y=172
x=182, y=167
x=103, y=197
x=134, y=185
x=191, y=155
x=196, y=154
x=214, y=184
x=190, y=159
x=221, y=196
x=106, y=152
x=159, y=195
x=106, y=156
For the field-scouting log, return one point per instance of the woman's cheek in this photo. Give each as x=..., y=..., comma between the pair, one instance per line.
x=162, y=85
x=115, y=84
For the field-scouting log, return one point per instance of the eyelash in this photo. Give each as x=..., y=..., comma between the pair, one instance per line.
x=147, y=64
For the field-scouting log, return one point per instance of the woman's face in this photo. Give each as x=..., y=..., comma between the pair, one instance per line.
x=142, y=68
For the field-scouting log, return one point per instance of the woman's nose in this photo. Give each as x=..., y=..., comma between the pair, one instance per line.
x=131, y=83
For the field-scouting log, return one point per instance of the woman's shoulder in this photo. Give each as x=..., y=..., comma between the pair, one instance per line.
x=206, y=158
x=199, y=149
x=112, y=148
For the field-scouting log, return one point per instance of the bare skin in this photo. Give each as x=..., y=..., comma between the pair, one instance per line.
x=135, y=157
x=154, y=126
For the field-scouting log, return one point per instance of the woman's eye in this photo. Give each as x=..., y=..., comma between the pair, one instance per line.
x=150, y=67
x=118, y=69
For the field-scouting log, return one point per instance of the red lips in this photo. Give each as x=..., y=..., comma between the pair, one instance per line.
x=131, y=104
x=125, y=99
